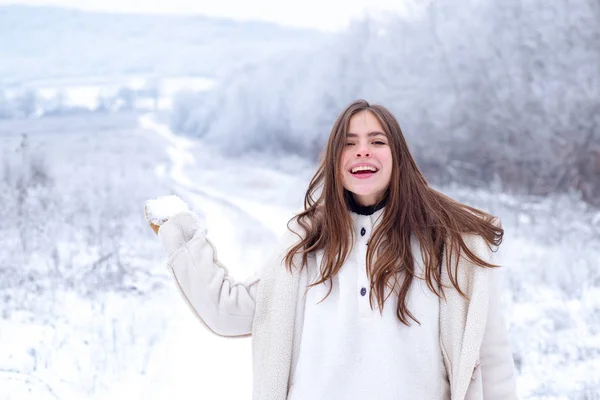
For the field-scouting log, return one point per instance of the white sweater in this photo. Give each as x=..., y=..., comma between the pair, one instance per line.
x=350, y=351
x=472, y=334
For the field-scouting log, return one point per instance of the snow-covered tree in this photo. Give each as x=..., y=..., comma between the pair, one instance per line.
x=484, y=91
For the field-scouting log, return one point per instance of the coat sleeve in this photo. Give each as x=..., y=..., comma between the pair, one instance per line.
x=224, y=305
x=497, y=365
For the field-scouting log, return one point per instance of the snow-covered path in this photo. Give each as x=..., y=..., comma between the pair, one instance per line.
x=206, y=198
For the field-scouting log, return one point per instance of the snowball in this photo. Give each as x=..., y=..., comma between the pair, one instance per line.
x=162, y=208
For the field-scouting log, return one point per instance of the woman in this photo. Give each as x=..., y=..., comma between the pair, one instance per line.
x=384, y=288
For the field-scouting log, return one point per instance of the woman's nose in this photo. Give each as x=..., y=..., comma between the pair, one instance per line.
x=363, y=151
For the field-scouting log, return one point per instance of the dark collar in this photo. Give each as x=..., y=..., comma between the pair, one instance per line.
x=363, y=210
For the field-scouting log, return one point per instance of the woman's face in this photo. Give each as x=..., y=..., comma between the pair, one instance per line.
x=366, y=162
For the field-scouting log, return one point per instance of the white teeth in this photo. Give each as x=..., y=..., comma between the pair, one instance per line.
x=363, y=168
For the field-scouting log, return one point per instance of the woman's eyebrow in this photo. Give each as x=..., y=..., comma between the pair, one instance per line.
x=370, y=134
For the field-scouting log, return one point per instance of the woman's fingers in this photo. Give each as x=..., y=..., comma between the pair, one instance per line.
x=154, y=227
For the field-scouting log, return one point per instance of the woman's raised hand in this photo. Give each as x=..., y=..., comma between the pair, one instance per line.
x=159, y=210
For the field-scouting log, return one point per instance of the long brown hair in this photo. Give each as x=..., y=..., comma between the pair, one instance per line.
x=412, y=208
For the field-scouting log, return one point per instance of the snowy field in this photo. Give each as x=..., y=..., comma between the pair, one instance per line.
x=92, y=312
x=89, y=310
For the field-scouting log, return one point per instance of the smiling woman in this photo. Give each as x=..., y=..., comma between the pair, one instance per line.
x=431, y=326
x=366, y=161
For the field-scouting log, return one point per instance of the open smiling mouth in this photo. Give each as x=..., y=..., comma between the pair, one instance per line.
x=363, y=171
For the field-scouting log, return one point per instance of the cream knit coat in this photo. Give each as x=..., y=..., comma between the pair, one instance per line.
x=473, y=335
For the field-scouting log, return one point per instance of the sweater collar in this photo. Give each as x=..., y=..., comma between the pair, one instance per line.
x=363, y=210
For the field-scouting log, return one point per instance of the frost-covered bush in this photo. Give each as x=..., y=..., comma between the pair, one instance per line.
x=68, y=224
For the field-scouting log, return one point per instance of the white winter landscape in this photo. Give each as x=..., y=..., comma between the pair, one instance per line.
x=89, y=310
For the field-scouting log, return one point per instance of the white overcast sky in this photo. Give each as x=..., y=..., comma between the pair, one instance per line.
x=320, y=14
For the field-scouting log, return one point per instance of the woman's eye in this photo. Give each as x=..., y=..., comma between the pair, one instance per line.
x=349, y=143
x=379, y=142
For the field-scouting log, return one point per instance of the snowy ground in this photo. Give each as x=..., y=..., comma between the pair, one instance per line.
x=146, y=344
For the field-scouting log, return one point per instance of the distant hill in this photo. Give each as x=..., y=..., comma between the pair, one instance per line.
x=50, y=42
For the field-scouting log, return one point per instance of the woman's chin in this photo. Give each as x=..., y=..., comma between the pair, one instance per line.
x=365, y=191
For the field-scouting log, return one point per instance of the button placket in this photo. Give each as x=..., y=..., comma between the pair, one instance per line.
x=362, y=284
